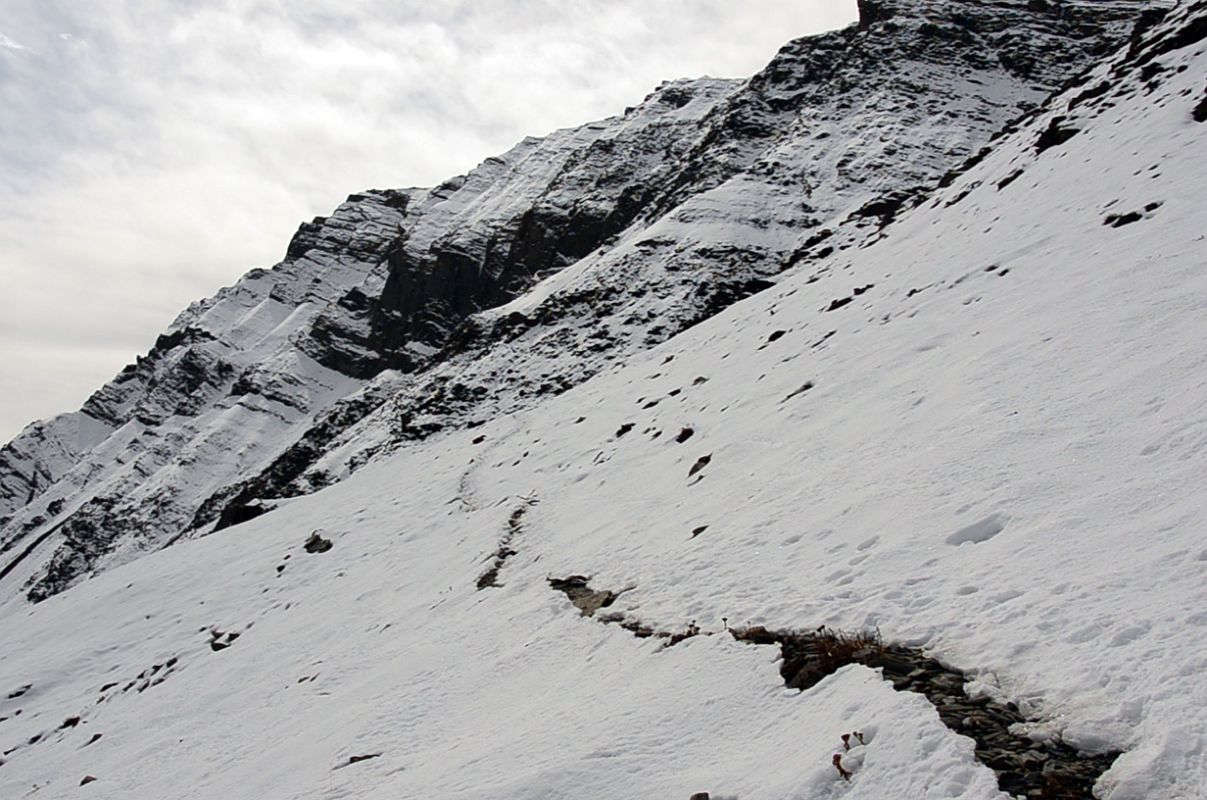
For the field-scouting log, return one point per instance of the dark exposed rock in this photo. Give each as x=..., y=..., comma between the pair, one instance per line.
x=1193, y=32
x=585, y=599
x=1119, y=220
x=219, y=640
x=806, y=386
x=846, y=301
x=1145, y=22
x=701, y=463
x=317, y=544
x=237, y=513
x=515, y=526
x=1009, y=179
x=1200, y=111
x=1093, y=93
x=1048, y=771
x=886, y=208
x=426, y=295
x=711, y=299
x=874, y=11
x=167, y=342
x=1055, y=135
x=87, y=536
x=366, y=757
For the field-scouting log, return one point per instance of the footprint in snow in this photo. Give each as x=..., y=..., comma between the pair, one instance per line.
x=980, y=531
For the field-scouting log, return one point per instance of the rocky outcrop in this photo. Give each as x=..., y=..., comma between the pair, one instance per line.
x=434, y=277
x=215, y=395
x=406, y=313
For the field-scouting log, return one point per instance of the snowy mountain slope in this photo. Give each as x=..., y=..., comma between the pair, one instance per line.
x=838, y=130
x=377, y=330
x=225, y=390
x=995, y=451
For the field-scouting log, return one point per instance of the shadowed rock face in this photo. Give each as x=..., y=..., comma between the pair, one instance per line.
x=426, y=295
x=410, y=312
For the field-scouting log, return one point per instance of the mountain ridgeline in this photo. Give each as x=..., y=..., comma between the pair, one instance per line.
x=409, y=313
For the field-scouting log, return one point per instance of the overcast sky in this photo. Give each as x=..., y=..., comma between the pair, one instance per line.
x=152, y=151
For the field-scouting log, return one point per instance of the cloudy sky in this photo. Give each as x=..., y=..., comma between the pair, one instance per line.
x=152, y=151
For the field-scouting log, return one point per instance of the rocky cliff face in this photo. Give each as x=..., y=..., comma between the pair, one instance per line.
x=412, y=312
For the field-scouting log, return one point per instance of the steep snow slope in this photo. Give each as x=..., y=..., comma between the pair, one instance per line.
x=983, y=433
x=377, y=330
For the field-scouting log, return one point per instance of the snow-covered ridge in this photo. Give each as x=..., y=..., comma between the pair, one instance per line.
x=411, y=313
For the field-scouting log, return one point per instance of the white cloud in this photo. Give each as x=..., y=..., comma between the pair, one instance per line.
x=160, y=149
x=8, y=44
